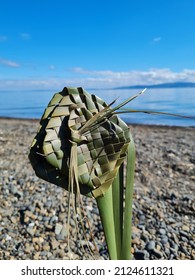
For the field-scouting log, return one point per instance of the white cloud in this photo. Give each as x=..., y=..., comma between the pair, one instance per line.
x=9, y=63
x=156, y=40
x=100, y=79
x=3, y=38
x=25, y=36
x=45, y=83
x=135, y=77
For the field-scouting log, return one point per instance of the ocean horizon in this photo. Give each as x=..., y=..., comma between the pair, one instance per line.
x=30, y=104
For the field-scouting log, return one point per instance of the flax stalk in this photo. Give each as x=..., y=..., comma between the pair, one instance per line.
x=105, y=206
x=127, y=225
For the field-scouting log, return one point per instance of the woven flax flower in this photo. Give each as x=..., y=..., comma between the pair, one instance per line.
x=80, y=143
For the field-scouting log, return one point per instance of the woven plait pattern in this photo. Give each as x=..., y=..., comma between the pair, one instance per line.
x=101, y=143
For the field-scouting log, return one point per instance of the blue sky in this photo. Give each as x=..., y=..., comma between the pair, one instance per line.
x=46, y=44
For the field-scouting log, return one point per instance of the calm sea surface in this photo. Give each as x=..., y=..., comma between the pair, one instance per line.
x=31, y=104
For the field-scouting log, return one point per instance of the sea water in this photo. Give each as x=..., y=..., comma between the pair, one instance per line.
x=31, y=104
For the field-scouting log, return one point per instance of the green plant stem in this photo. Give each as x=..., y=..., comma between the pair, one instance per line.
x=116, y=214
x=105, y=206
x=127, y=224
x=117, y=193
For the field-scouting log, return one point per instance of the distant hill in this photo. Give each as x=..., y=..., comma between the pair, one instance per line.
x=165, y=85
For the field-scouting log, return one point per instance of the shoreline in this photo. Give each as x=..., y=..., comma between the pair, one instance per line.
x=129, y=124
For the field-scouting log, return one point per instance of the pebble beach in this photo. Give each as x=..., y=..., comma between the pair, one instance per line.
x=33, y=213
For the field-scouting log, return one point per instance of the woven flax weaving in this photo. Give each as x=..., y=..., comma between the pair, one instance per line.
x=79, y=131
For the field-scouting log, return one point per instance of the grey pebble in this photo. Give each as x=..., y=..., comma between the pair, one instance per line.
x=171, y=220
x=13, y=189
x=32, y=208
x=144, y=237
x=192, y=158
x=44, y=253
x=58, y=228
x=31, y=231
x=184, y=250
x=40, y=218
x=175, y=247
x=167, y=251
x=141, y=227
x=54, y=243
x=141, y=255
x=164, y=239
x=45, y=219
x=163, y=225
x=19, y=194
x=48, y=204
x=72, y=223
x=53, y=219
x=191, y=242
x=150, y=245
x=184, y=238
x=64, y=231
x=175, y=238
x=162, y=231
x=13, y=219
x=183, y=233
x=157, y=253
